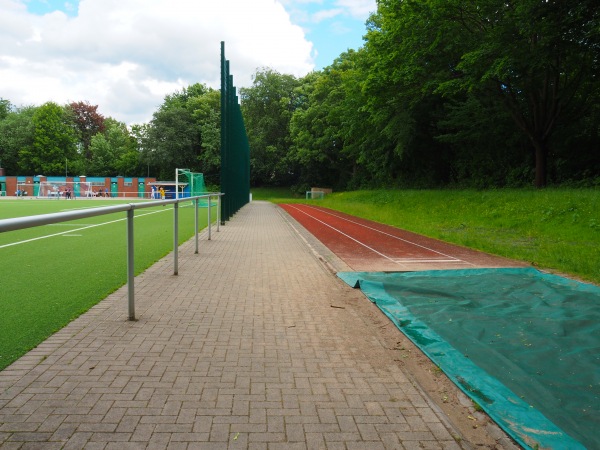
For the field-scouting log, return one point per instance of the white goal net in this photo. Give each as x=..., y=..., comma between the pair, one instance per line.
x=24, y=190
x=315, y=195
x=63, y=189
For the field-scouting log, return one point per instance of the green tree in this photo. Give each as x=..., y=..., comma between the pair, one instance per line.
x=487, y=149
x=326, y=129
x=16, y=134
x=174, y=137
x=129, y=158
x=540, y=59
x=267, y=107
x=206, y=110
x=114, y=152
x=88, y=122
x=54, y=142
x=5, y=108
x=173, y=140
x=139, y=135
x=103, y=157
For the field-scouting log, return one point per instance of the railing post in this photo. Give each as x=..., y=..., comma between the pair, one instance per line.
x=175, y=238
x=19, y=223
x=218, y=211
x=209, y=221
x=196, y=223
x=130, y=266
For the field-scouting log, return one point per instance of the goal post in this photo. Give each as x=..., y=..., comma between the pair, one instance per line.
x=65, y=189
x=315, y=195
x=188, y=183
x=24, y=189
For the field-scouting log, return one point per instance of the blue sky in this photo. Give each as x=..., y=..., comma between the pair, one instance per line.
x=333, y=26
x=126, y=55
x=47, y=6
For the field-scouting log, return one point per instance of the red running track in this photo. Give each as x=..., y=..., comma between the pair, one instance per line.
x=370, y=246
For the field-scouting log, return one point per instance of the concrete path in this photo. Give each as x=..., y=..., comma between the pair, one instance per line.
x=255, y=344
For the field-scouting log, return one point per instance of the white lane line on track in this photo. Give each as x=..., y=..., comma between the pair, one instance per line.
x=417, y=260
x=344, y=234
x=70, y=232
x=450, y=257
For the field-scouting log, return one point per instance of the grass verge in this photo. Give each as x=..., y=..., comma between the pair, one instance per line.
x=553, y=229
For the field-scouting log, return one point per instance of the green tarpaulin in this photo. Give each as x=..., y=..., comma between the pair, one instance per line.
x=523, y=344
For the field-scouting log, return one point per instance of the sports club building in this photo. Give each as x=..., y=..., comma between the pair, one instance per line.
x=139, y=187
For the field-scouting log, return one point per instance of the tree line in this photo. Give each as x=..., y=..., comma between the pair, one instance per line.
x=484, y=94
x=75, y=139
x=443, y=93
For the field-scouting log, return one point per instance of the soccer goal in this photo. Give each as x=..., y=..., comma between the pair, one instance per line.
x=188, y=183
x=65, y=189
x=315, y=195
x=24, y=190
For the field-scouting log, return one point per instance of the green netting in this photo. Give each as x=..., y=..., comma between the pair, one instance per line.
x=194, y=186
x=523, y=344
x=195, y=182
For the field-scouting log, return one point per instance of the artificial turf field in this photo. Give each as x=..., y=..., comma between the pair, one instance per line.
x=51, y=274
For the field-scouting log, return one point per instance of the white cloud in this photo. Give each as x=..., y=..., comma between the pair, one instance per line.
x=359, y=9
x=326, y=9
x=126, y=55
x=325, y=14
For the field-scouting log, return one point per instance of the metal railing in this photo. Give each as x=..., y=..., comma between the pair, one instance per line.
x=20, y=223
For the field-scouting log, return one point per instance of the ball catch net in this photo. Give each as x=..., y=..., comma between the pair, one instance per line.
x=189, y=184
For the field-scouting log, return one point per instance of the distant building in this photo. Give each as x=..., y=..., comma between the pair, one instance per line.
x=138, y=187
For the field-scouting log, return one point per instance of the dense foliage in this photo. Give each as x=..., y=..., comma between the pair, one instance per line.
x=184, y=133
x=483, y=93
x=267, y=109
x=68, y=140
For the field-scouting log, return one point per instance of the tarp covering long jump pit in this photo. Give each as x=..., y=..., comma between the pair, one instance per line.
x=524, y=345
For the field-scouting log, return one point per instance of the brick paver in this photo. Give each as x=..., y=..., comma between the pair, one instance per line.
x=253, y=345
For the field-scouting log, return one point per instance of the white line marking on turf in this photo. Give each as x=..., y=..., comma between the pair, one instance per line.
x=67, y=224
x=78, y=229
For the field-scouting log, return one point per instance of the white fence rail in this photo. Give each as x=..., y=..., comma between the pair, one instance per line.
x=20, y=223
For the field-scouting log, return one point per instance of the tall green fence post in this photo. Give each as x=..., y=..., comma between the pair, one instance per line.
x=235, y=149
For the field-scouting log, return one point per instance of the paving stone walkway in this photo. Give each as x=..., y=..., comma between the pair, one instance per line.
x=254, y=345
